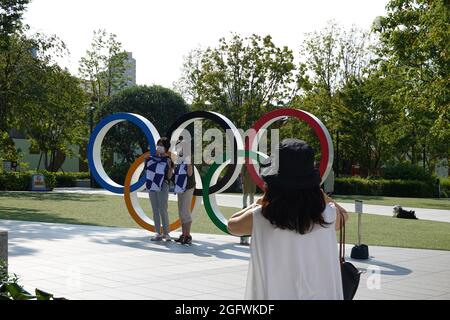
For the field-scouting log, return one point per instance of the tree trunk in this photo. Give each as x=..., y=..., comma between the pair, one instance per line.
x=57, y=160
x=39, y=163
x=46, y=160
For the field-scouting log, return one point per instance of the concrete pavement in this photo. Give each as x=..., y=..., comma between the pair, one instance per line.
x=88, y=262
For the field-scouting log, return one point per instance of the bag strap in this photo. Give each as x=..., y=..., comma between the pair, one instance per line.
x=341, y=237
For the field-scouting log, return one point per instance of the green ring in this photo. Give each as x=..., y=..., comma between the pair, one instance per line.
x=218, y=222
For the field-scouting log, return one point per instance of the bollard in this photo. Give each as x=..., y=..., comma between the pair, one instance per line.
x=359, y=251
x=4, y=247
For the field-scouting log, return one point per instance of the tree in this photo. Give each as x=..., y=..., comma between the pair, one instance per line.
x=159, y=105
x=11, y=12
x=10, y=22
x=414, y=37
x=103, y=67
x=59, y=118
x=241, y=78
x=368, y=122
x=21, y=57
x=332, y=58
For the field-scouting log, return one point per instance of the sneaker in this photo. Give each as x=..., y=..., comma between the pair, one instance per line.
x=167, y=237
x=187, y=240
x=156, y=237
x=180, y=239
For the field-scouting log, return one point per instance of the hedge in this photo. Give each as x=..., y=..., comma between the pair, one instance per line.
x=21, y=181
x=445, y=187
x=384, y=187
x=69, y=179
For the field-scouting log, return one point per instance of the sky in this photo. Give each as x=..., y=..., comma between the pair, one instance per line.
x=161, y=33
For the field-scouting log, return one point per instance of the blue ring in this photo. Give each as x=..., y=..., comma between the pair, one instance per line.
x=124, y=117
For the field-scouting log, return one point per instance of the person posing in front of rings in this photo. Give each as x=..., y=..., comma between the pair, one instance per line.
x=159, y=200
x=294, y=254
x=185, y=199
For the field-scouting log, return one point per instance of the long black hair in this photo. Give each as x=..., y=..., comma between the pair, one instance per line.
x=297, y=210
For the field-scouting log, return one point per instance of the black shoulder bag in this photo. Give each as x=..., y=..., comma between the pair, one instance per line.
x=350, y=274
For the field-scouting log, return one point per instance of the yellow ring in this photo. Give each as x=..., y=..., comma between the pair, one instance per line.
x=129, y=202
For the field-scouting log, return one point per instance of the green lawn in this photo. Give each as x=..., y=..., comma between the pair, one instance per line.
x=431, y=203
x=443, y=204
x=111, y=211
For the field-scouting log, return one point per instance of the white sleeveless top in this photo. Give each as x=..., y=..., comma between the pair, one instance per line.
x=287, y=265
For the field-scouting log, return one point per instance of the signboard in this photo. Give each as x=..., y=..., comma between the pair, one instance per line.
x=358, y=206
x=38, y=182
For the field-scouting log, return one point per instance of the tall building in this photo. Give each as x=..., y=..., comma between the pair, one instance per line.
x=130, y=71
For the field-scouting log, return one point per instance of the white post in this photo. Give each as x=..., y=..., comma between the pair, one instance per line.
x=359, y=211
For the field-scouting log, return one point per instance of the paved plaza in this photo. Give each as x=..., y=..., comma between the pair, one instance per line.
x=88, y=262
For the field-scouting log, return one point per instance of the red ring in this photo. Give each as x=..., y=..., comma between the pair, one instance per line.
x=299, y=114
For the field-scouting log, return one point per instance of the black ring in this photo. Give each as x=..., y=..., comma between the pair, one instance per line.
x=215, y=118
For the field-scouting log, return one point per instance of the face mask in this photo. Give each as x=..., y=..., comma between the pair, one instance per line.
x=160, y=149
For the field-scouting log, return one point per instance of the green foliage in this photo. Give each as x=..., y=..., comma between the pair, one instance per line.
x=332, y=57
x=21, y=181
x=445, y=187
x=338, y=88
x=103, y=67
x=383, y=187
x=11, y=12
x=118, y=172
x=366, y=122
x=159, y=105
x=32, y=86
x=241, y=78
x=50, y=179
x=386, y=93
x=3, y=271
x=7, y=148
x=59, y=115
x=10, y=289
x=69, y=179
x=15, y=181
x=10, y=23
x=407, y=171
x=414, y=48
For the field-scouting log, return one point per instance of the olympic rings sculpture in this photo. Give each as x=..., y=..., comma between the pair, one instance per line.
x=212, y=183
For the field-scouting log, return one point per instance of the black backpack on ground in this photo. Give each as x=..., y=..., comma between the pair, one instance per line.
x=406, y=214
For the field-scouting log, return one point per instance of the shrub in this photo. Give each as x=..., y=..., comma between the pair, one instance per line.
x=384, y=187
x=118, y=172
x=406, y=171
x=15, y=181
x=50, y=179
x=445, y=187
x=10, y=289
x=69, y=179
x=21, y=181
